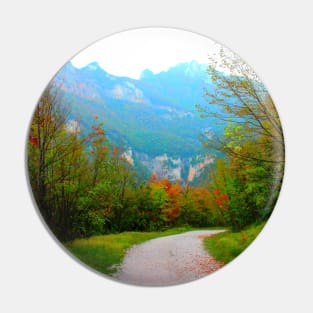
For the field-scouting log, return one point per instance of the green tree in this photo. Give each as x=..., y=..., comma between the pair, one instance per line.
x=57, y=162
x=240, y=100
x=47, y=123
x=250, y=176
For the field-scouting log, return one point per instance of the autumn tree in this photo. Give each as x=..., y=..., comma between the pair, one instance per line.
x=250, y=175
x=99, y=149
x=241, y=103
x=56, y=161
x=198, y=208
x=48, y=121
x=173, y=210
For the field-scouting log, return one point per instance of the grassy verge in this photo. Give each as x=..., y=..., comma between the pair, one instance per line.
x=227, y=246
x=101, y=252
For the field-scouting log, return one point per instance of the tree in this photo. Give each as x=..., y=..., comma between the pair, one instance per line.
x=252, y=145
x=99, y=149
x=197, y=208
x=56, y=161
x=48, y=121
x=242, y=104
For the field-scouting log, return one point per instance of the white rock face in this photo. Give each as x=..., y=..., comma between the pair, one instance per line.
x=165, y=166
x=128, y=156
x=196, y=170
x=72, y=126
x=128, y=92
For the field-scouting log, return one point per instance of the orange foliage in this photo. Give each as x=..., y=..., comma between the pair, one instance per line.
x=115, y=150
x=202, y=197
x=173, y=191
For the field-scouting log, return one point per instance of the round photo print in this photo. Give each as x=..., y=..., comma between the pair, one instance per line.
x=155, y=156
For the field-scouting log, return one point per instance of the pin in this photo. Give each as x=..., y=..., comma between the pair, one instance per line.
x=155, y=156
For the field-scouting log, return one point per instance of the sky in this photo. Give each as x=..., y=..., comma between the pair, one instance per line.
x=129, y=53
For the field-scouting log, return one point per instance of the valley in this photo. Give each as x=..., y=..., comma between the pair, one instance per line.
x=153, y=119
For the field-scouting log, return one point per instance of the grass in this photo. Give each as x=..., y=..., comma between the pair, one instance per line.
x=102, y=252
x=226, y=246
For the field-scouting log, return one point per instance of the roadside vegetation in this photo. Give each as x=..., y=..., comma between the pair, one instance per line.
x=226, y=246
x=104, y=253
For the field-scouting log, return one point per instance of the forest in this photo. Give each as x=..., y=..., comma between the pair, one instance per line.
x=84, y=186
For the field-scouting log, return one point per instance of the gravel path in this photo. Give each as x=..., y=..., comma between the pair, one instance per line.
x=168, y=260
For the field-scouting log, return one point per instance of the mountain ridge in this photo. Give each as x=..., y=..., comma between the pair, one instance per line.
x=152, y=116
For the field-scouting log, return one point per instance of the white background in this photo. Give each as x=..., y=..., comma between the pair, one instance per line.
x=273, y=275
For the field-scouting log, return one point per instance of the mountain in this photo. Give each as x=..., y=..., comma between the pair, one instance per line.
x=154, y=117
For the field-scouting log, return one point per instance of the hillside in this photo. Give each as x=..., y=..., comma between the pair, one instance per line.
x=153, y=118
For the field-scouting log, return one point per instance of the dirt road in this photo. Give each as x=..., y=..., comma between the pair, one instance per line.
x=168, y=260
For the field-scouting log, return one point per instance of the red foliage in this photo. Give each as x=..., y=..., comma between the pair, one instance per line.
x=33, y=140
x=222, y=201
x=217, y=192
x=225, y=197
